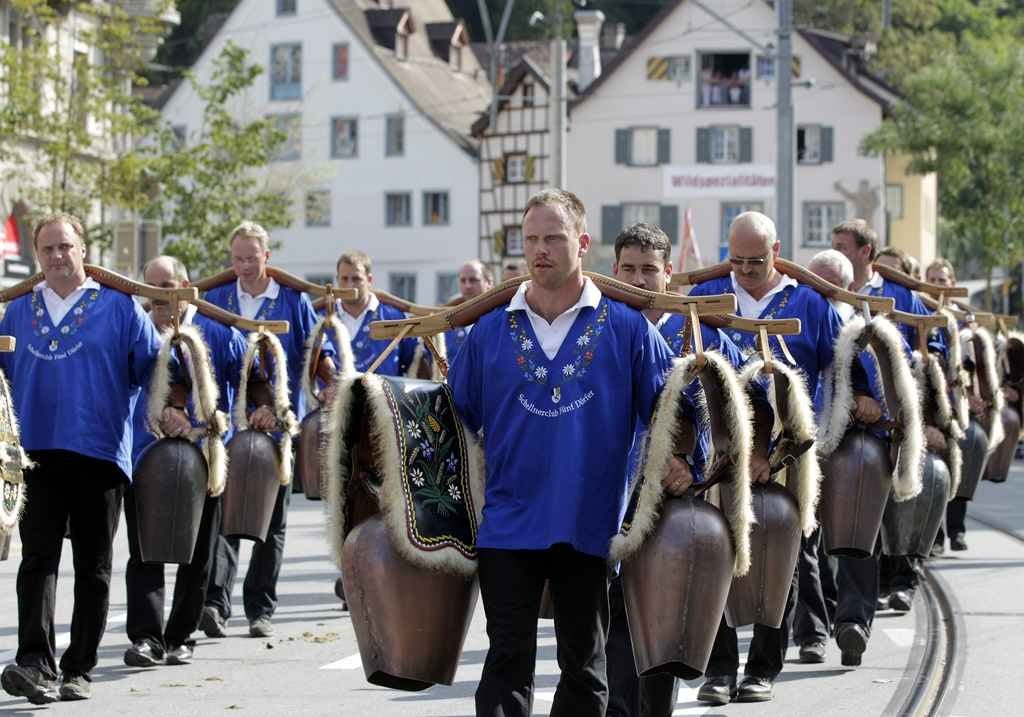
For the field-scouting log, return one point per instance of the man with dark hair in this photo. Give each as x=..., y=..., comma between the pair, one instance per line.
x=643, y=255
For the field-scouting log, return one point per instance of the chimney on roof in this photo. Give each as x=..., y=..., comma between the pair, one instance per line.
x=613, y=36
x=588, y=28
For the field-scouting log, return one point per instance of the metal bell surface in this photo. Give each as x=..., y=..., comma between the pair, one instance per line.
x=169, y=484
x=308, y=454
x=857, y=480
x=974, y=447
x=910, y=527
x=997, y=469
x=252, y=485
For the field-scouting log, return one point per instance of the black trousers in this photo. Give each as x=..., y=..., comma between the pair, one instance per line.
x=857, y=580
x=628, y=694
x=898, y=573
x=145, y=583
x=66, y=489
x=811, y=618
x=511, y=583
x=259, y=591
x=767, y=649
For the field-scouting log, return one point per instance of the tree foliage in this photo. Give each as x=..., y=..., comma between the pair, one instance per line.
x=207, y=184
x=65, y=116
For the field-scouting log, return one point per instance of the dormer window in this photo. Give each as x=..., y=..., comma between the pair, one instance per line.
x=448, y=41
x=391, y=28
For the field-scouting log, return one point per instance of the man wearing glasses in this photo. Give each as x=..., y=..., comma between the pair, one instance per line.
x=762, y=292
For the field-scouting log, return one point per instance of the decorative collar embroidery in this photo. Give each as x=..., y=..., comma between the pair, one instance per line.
x=268, y=306
x=780, y=304
x=41, y=326
x=535, y=371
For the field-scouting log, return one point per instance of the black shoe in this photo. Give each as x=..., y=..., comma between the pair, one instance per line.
x=717, y=690
x=938, y=550
x=339, y=589
x=957, y=542
x=812, y=653
x=882, y=603
x=74, y=687
x=143, y=654
x=180, y=655
x=212, y=623
x=901, y=600
x=30, y=683
x=852, y=640
x=754, y=689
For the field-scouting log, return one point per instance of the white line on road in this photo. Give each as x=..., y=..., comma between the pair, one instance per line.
x=901, y=636
x=351, y=662
x=63, y=638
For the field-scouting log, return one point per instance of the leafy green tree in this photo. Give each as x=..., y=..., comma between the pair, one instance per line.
x=66, y=115
x=204, y=186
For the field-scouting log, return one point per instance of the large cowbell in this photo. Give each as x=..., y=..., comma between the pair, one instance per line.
x=910, y=527
x=856, y=485
x=169, y=484
x=974, y=446
x=997, y=469
x=307, y=455
x=252, y=486
x=410, y=622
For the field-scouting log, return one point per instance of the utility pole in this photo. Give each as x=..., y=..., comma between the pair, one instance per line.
x=559, y=103
x=784, y=127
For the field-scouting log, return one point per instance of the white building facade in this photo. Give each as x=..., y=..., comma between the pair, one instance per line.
x=377, y=99
x=685, y=120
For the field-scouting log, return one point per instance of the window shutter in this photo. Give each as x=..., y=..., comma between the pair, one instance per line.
x=622, y=142
x=664, y=146
x=499, y=242
x=669, y=221
x=529, y=170
x=611, y=222
x=498, y=171
x=703, y=145
x=826, y=144
x=746, y=144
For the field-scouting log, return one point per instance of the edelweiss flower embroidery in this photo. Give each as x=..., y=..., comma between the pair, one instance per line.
x=44, y=330
x=413, y=429
x=65, y=329
x=568, y=370
x=454, y=492
x=583, y=340
x=39, y=312
x=416, y=476
x=540, y=372
x=527, y=344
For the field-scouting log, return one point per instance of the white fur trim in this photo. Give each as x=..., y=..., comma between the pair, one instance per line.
x=807, y=473
x=13, y=459
x=205, y=394
x=932, y=382
x=996, y=432
x=955, y=370
x=838, y=388
x=421, y=355
x=287, y=424
x=345, y=364
x=391, y=499
x=659, y=446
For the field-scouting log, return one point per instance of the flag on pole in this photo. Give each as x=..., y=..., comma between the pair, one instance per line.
x=688, y=243
x=10, y=241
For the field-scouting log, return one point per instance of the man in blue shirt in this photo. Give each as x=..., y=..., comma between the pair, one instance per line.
x=474, y=279
x=83, y=352
x=557, y=380
x=152, y=640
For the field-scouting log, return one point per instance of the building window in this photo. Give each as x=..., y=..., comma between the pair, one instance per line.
x=344, y=137
x=894, y=200
x=394, y=139
x=643, y=147
x=340, y=56
x=435, y=208
x=674, y=68
x=398, y=209
x=286, y=7
x=766, y=67
x=515, y=168
x=402, y=284
x=447, y=286
x=724, y=80
x=819, y=218
x=528, y=94
x=291, y=125
x=725, y=145
x=731, y=210
x=813, y=144
x=318, y=208
x=513, y=241
x=633, y=212
x=286, y=71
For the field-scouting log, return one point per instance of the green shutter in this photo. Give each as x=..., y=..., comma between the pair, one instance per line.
x=498, y=171
x=664, y=146
x=611, y=222
x=669, y=221
x=703, y=145
x=826, y=144
x=622, y=143
x=746, y=144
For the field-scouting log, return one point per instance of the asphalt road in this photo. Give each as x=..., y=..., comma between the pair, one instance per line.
x=311, y=666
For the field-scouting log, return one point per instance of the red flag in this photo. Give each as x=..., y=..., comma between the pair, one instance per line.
x=688, y=242
x=10, y=240
x=11, y=245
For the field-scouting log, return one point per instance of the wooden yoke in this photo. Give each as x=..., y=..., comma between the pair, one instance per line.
x=7, y=344
x=876, y=304
x=282, y=277
x=406, y=307
x=922, y=325
x=922, y=287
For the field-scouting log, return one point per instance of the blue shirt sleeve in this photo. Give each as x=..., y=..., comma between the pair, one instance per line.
x=306, y=320
x=143, y=347
x=406, y=354
x=464, y=379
